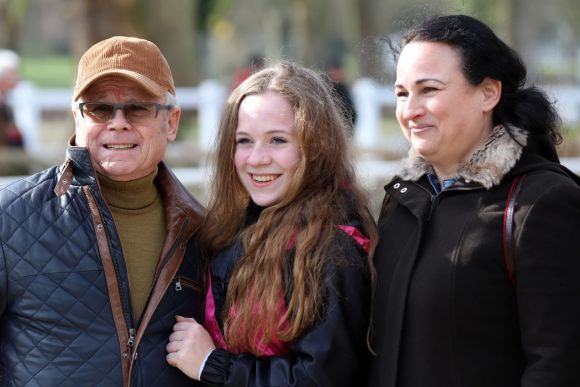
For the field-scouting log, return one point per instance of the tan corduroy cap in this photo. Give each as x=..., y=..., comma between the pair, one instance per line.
x=134, y=58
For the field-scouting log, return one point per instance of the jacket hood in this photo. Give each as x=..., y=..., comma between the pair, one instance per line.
x=486, y=166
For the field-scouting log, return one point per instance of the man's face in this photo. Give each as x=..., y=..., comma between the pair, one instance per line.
x=9, y=80
x=120, y=149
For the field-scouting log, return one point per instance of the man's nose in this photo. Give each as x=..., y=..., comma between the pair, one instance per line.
x=118, y=120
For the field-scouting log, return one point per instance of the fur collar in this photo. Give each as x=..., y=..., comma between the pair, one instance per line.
x=486, y=166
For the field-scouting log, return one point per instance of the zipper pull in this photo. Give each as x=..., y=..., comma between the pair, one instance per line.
x=131, y=340
x=178, y=285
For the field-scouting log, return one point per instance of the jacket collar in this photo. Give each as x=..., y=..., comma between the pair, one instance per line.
x=178, y=201
x=486, y=166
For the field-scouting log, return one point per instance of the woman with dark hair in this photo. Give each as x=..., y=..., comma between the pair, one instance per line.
x=288, y=237
x=478, y=263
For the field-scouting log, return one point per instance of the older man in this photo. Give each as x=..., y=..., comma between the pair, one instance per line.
x=97, y=255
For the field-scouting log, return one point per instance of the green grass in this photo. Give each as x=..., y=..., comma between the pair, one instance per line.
x=52, y=71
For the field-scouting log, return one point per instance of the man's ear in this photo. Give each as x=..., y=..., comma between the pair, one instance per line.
x=77, y=119
x=173, y=123
x=491, y=90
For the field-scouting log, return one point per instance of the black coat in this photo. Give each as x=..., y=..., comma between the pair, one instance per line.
x=65, y=307
x=331, y=353
x=446, y=314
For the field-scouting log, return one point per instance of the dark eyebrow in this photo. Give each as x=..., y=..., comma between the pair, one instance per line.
x=422, y=80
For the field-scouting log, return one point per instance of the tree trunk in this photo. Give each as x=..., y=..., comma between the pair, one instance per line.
x=173, y=28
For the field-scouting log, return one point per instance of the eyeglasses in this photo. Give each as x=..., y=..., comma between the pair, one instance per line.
x=135, y=112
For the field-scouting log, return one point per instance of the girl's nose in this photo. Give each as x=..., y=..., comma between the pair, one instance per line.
x=259, y=155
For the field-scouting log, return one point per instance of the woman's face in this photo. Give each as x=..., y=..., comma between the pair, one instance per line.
x=267, y=150
x=441, y=114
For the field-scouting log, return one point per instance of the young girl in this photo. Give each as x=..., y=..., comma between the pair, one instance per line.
x=288, y=235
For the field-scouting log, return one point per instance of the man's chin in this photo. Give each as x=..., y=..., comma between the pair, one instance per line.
x=118, y=171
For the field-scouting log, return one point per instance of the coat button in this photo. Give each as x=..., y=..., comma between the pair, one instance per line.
x=397, y=185
x=403, y=190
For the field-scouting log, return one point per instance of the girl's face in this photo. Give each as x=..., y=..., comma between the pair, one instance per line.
x=267, y=151
x=441, y=114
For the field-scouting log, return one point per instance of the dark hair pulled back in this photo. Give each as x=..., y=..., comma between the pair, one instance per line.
x=484, y=55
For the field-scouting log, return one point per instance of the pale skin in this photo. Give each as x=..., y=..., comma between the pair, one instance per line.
x=8, y=81
x=267, y=149
x=442, y=115
x=266, y=158
x=120, y=150
x=189, y=345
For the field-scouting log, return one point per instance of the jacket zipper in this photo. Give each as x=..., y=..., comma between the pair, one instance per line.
x=178, y=239
x=122, y=289
x=131, y=340
x=180, y=282
x=168, y=256
x=172, y=249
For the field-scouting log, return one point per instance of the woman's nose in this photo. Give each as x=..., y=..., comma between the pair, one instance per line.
x=412, y=107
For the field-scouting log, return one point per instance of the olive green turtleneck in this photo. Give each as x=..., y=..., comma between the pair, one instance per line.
x=138, y=213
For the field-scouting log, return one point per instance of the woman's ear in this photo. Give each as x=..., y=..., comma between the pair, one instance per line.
x=491, y=90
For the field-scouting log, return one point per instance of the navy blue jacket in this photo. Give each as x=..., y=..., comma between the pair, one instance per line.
x=65, y=302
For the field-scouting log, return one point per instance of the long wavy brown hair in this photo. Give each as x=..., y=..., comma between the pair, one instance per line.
x=322, y=195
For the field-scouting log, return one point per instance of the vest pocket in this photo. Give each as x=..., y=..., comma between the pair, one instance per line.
x=181, y=282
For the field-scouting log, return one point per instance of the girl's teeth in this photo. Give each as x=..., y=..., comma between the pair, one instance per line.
x=263, y=178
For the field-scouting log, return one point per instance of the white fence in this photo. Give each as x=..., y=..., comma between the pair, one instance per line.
x=30, y=101
x=370, y=99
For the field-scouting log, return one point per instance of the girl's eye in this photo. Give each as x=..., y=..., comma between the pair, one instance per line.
x=400, y=94
x=279, y=140
x=243, y=140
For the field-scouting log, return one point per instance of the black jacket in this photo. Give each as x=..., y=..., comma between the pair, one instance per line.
x=446, y=313
x=65, y=308
x=331, y=353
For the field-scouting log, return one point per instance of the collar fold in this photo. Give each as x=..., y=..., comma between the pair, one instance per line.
x=486, y=166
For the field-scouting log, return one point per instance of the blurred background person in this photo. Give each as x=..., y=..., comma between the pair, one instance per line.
x=10, y=136
x=255, y=64
x=341, y=90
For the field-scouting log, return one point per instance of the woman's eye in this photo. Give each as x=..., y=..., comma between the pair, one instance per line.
x=400, y=94
x=429, y=89
x=242, y=141
x=279, y=140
